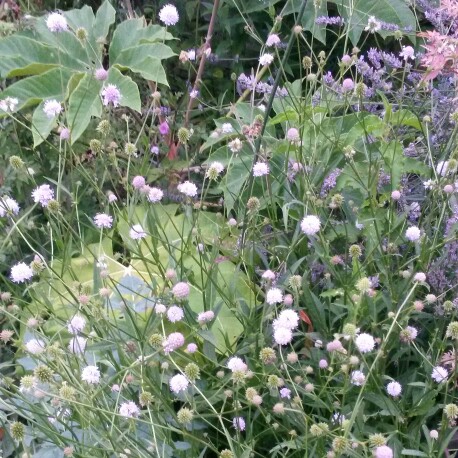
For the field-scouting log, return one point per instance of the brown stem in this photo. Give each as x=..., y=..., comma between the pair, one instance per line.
x=203, y=58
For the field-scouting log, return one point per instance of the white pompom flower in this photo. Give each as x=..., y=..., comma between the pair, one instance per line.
x=56, y=22
x=169, y=15
x=310, y=224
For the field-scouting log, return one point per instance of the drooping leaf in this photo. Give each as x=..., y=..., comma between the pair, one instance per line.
x=104, y=18
x=49, y=85
x=42, y=125
x=84, y=103
x=130, y=96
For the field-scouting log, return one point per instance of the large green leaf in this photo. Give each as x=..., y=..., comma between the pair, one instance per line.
x=132, y=32
x=66, y=43
x=24, y=56
x=41, y=125
x=84, y=103
x=129, y=90
x=356, y=14
x=104, y=18
x=49, y=85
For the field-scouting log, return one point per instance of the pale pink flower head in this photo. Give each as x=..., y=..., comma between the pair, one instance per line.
x=288, y=319
x=292, y=135
x=187, y=188
x=407, y=53
x=56, y=22
x=274, y=296
x=77, y=345
x=64, y=134
x=346, y=60
x=35, y=346
x=239, y=423
x=155, y=195
x=439, y=374
x=358, y=378
x=236, y=364
x=283, y=336
x=178, y=383
x=8, y=206
x=20, y=273
x=181, y=290
x=310, y=224
x=348, y=85
x=103, y=221
x=335, y=345
x=138, y=182
x=413, y=234
x=43, y=195
x=266, y=59
x=137, y=232
x=394, y=389
x=101, y=74
x=205, y=317
x=169, y=15
x=76, y=324
x=175, y=313
x=164, y=128
x=91, y=375
x=420, y=277
x=52, y=108
x=191, y=348
x=273, y=40
x=365, y=343
x=173, y=341
x=383, y=452
x=260, y=169
x=129, y=410
x=111, y=94
x=322, y=364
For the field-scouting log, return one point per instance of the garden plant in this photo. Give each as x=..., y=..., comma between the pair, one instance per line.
x=228, y=229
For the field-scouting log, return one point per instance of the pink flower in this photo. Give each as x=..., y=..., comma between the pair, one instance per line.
x=111, y=94
x=101, y=74
x=164, y=128
x=181, y=290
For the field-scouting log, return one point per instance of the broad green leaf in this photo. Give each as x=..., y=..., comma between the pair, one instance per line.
x=356, y=14
x=132, y=32
x=150, y=69
x=137, y=54
x=286, y=116
x=84, y=103
x=104, y=18
x=23, y=56
x=73, y=83
x=66, y=43
x=41, y=125
x=130, y=96
x=233, y=182
x=49, y=85
x=83, y=17
x=405, y=117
